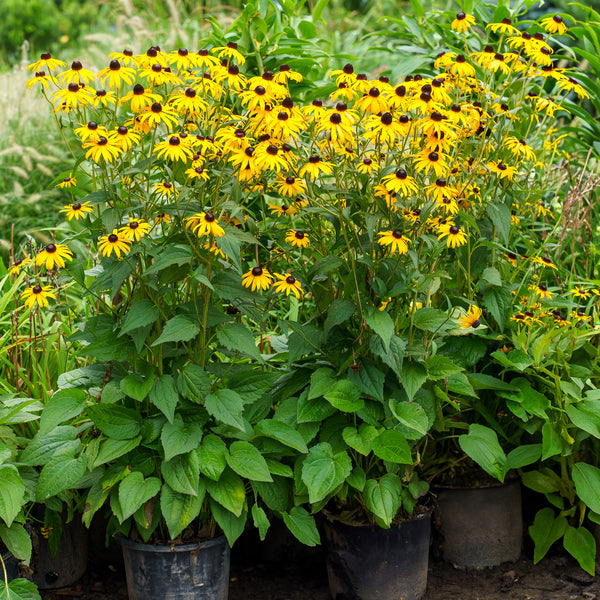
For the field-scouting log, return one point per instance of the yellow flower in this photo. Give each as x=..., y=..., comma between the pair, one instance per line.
x=554, y=24
x=115, y=75
x=67, y=182
x=204, y=224
x=174, y=149
x=456, y=237
x=287, y=283
x=77, y=210
x=462, y=22
x=37, y=295
x=135, y=230
x=257, y=279
x=401, y=183
x=284, y=209
x=114, y=242
x=384, y=303
x=19, y=264
x=471, y=318
x=102, y=148
x=297, y=238
x=396, y=240
x=46, y=62
x=53, y=254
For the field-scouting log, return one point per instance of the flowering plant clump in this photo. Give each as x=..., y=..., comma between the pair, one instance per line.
x=344, y=241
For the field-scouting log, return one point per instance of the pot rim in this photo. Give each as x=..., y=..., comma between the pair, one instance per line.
x=333, y=519
x=142, y=547
x=490, y=486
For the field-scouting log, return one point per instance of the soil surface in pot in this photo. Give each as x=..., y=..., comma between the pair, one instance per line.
x=301, y=575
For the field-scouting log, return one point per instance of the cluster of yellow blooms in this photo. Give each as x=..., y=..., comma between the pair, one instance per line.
x=189, y=143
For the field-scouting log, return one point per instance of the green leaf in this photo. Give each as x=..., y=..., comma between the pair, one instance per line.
x=552, y=443
x=140, y=314
x=136, y=386
x=182, y=473
x=586, y=416
x=229, y=492
x=135, y=491
x=164, y=396
x=227, y=407
x=545, y=530
x=261, y=521
x=180, y=437
x=112, y=449
x=237, y=337
x=430, y=319
x=232, y=525
x=361, y=440
x=523, y=456
x=357, y=479
x=61, y=473
x=587, y=484
x=115, y=421
x=178, y=329
x=481, y=444
x=63, y=406
x=247, y=461
x=384, y=497
x=169, y=256
x=581, y=544
x=459, y=384
x=392, y=446
x=345, y=396
x=44, y=446
x=544, y=480
x=212, y=455
x=19, y=589
x=281, y=432
x=392, y=357
x=179, y=510
x=411, y=415
x=440, y=367
x=302, y=526
x=323, y=471
x=340, y=310
x=414, y=375
x=498, y=302
x=499, y=214
x=320, y=382
x=491, y=276
x=381, y=323
x=251, y=385
x=369, y=379
x=193, y=382
x=17, y=540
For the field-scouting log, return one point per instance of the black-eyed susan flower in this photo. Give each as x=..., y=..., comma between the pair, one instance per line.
x=257, y=279
x=188, y=103
x=40, y=78
x=77, y=210
x=504, y=27
x=126, y=57
x=124, y=137
x=396, y=240
x=270, y=158
x=580, y=293
x=162, y=217
x=165, y=189
x=315, y=166
x=212, y=247
x=197, y=173
x=91, y=130
x=154, y=55
x=501, y=169
x=284, y=209
x=545, y=262
x=139, y=98
x=72, y=96
x=568, y=84
x=461, y=68
x=426, y=161
x=297, y=238
x=174, y=149
x=454, y=235
x=135, y=230
x=287, y=283
x=204, y=224
x=289, y=186
x=76, y=74
x=114, y=242
x=19, y=264
x=472, y=318
x=67, y=182
x=519, y=148
x=462, y=22
x=157, y=113
x=554, y=24
x=542, y=291
x=512, y=258
x=53, y=254
x=102, y=98
x=102, y=148
x=46, y=62
x=384, y=303
x=579, y=316
x=38, y=294
x=286, y=74
x=231, y=76
x=400, y=182
x=230, y=51
x=115, y=75
x=498, y=63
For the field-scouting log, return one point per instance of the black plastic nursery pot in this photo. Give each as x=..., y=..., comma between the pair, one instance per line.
x=186, y=572
x=70, y=562
x=479, y=527
x=370, y=563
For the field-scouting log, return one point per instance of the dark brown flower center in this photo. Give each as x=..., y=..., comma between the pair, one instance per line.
x=156, y=107
x=113, y=238
x=257, y=272
x=76, y=206
x=299, y=235
x=209, y=218
x=386, y=118
x=290, y=180
x=37, y=289
x=272, y=150
x=290, y=280
x=114, y=65
x=397, y=234
x=122, y=130
x=401, y=174
x=453, y=230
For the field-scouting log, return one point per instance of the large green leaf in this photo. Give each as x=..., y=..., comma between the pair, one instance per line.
x=12, y=491
x=384, y=497
x=179, y=510
x=182, y=473
x=481, y=444
x=61, y=473
x=261, y=521
x=137, y=386
x=63, y=406
x=111, y=449
x=414, y=375
x=164, y=396
x=430, y=319
x=302, y=525
x=229, y=492
x=180, y=437
x=232, y=525
x=226, y=406
x=212, y=455
x=545, y=530
x=135, y=491
x=237, y=337
x=581, y=544
x=586, y=416
x=381, y=323
x=440, y=367
x=178, y=329
x=411, y=415
x=193, y=382
x=115, y=421
x=247, y=461
x=320, y=382
x=587, y=484
x=19, y=589
x=282, y=432
x=46, y=445
x=18, y=541
x=323, y=471
x=360, y=440
x=345, y=396
x=140, y=314
x=251, y=385
x=392, y=446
